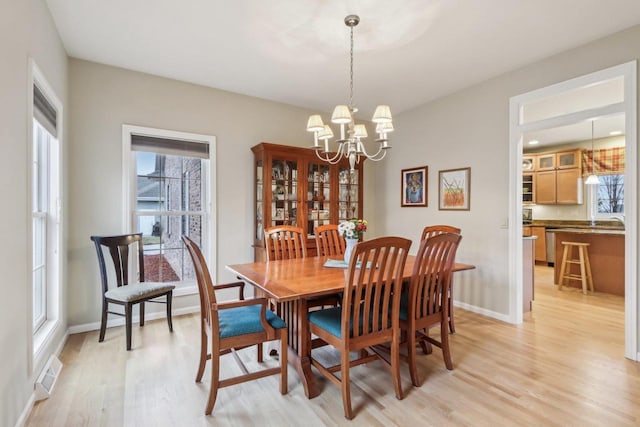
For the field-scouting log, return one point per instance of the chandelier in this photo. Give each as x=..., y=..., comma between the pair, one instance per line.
x=350, y=144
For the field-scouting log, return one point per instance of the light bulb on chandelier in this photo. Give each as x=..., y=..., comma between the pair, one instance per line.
x=350, y=144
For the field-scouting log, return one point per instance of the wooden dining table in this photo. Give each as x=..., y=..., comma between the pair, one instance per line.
x=291, y=284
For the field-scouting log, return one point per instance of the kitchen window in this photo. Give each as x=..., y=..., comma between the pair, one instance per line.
x=610, y=195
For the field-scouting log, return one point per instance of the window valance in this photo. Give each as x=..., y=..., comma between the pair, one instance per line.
x=607, y=161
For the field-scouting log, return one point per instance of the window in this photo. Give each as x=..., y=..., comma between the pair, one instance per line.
x=610, y=197
x=45, y=210
x=169, y=198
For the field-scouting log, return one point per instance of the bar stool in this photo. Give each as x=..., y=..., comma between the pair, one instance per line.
x=582, y=260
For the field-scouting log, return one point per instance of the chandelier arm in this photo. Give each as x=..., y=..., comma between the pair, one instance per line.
x=373, y=156
x=330, y=159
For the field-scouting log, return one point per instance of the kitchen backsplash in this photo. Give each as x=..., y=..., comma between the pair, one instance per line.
x=561, y=212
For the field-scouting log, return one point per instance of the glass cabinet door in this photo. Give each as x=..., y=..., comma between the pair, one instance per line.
x=284, y=192
x=259, y=226
x=318, y=196
x=347, y=194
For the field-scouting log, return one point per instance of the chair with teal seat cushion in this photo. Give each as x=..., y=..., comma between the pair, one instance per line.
x=425, y=303
x=231, y=326
x=127, y=250
x=368, y=314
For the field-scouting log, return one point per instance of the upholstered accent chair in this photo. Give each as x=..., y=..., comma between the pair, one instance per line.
x=227, y=327
x=125, y=291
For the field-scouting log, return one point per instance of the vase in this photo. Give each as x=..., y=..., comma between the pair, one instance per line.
x=350, y=244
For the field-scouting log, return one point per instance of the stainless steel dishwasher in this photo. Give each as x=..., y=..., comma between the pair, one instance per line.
x=550, y=238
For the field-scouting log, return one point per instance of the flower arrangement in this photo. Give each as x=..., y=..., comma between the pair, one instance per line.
x=353, y=228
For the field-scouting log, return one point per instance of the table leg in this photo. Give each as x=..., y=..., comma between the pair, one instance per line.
x=295, y=314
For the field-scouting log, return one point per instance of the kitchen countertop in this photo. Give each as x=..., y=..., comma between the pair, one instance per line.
x=552, y=225
x=585, y=230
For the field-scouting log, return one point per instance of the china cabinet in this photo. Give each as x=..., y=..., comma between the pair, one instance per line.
x=294, y=187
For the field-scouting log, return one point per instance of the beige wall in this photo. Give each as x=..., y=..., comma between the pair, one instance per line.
x=103, y=98
x=26, y=30
x=471, y=128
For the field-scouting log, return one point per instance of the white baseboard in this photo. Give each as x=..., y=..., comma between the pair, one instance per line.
x=22, y=420
x=483, y=311
x=119, y=321
x=24, y=416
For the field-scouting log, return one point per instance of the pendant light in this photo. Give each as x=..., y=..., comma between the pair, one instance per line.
x=593, y=178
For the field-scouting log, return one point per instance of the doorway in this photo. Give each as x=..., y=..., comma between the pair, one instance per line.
x=564, y=105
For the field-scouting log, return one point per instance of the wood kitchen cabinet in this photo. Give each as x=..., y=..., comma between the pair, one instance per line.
x=528, y=188
x=294, y=187
x=558, y=178
x=540, y=244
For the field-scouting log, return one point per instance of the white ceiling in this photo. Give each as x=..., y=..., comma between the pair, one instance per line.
x=407, y=52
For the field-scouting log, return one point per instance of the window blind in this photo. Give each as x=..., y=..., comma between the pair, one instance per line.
x=44, y=112
x=176, y=147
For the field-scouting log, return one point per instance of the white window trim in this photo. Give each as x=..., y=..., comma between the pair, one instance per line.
x=55, y=304
x=128, y=172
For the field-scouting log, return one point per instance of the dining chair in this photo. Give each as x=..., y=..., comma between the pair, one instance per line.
x=368, y=315
x=127, y=292
x=424, y=304
x=329, y=242
x=285, y=242
x=227, y=327
x=431, y=231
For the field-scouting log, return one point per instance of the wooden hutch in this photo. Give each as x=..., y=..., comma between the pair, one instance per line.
x=294, y=187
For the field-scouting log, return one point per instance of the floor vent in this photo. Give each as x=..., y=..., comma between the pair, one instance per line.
x=48, y=377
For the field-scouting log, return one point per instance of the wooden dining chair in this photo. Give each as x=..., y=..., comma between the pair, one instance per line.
x=368, y=315
x=285, y=242
x=329, y=242
x=227, y=327
x=127, y=250
x=434, y=230
x=424, y=304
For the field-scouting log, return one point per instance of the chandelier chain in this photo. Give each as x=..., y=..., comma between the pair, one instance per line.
x=351, y=73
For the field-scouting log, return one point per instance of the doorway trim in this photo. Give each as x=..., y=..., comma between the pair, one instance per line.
x=628, y=71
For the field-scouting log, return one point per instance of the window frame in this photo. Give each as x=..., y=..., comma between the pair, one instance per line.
x=43, y=335
x=188, y=287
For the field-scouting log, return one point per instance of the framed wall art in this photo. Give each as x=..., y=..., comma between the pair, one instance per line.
x=414, y=186
x=454, y=189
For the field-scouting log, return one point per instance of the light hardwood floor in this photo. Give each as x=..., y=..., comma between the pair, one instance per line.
x=564, y=366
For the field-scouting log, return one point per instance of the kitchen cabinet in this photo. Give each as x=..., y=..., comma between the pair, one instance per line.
x=528, y=188
x=558, y=178
x=528, y=163
x=293, y=187
x=546, y=187
x=528, y=251
x=540, y=244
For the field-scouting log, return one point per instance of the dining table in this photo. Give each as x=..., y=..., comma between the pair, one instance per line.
x=291, y=284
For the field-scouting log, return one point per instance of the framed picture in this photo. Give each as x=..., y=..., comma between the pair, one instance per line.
x=454, y=189
x=414, y=186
